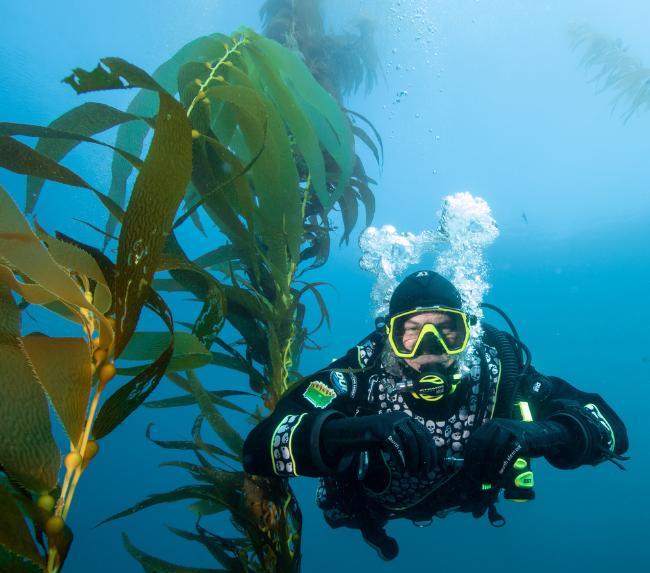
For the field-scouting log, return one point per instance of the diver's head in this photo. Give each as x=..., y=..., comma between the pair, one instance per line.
x=427, y=326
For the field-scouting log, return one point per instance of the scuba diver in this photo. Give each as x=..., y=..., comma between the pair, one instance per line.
x=416, y=422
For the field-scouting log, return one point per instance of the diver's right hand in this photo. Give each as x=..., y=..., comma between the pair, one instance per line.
x=395, y=432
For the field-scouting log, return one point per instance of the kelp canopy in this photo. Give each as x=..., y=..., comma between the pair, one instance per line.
x=341, y=63
x=243, y=135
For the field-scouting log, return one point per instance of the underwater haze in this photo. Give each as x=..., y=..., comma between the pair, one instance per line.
x=484, y=96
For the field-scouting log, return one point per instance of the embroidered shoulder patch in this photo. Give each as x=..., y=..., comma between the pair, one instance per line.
x=339, y=381
x=319, y=394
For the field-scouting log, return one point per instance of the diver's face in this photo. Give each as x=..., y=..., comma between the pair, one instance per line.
x=445, y=326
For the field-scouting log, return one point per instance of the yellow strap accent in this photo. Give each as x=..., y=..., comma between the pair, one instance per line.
x=524, y=409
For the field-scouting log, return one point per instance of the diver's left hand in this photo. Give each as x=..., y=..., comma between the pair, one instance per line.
x=494, y=447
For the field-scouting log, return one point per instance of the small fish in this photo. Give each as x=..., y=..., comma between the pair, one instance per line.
x=523, y=216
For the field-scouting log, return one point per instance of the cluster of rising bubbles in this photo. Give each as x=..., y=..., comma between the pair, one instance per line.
x=388, y=254
x=464, y=230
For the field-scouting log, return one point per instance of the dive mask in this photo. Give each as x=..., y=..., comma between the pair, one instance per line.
x=428, y=330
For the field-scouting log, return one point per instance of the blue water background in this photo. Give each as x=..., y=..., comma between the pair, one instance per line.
x=492, y=101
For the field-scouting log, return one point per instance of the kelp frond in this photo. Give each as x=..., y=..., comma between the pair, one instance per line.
x=612, y=68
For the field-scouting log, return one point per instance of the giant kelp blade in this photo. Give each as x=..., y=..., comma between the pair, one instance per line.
x=20, y=158
x=12, y=563
x=363, y=136
x=188, y=353
x=349, y=212
x=21, y=249
x=193, y=492
x=210, y=321
x=86, y=120
x=315, y=99
x=217, y=422
x=70, y=256
x=200, y=283
x=129, y=397
x=63, y=366
x=274, y=174
x=190, y=445
x=245, y=313
x=296, y=120
x=319, y=246
x=206, y=447
x=216, y=257
x=149, y=345
x=361, y=183
x=15, y=536
x=217, y=205
x=110, y=74
x=65, y=139
x=131, y=136
x=217, y=396
x=157, y=193
x=228, y=361
x=151, y=564
x=374, y=131
x=115, y=73
x=313, y=289
x=243, y=200
x=28, y=452
x=191, y=197
x=126, y=399
x=32, y=293
x=33, y=160
x=217, y=546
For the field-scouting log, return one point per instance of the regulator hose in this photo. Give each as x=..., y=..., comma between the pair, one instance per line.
x=512, y=369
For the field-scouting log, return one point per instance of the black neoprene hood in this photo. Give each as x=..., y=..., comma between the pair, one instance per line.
x=421, y=289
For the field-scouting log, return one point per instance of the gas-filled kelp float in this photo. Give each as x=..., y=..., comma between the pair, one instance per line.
x=243, y=133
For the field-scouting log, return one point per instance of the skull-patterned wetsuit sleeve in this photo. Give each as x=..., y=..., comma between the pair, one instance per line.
x=286, y=444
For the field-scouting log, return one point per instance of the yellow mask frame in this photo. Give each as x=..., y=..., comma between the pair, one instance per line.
x=391, y=331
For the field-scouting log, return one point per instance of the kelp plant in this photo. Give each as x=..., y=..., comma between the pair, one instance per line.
x=614, y=69
x=82, y=285
x=259, y=147
x=341, y=63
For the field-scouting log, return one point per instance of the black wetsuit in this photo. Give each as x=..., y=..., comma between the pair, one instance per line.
x=373, y=487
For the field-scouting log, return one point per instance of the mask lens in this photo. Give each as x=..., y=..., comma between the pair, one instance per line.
x=429, y=331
